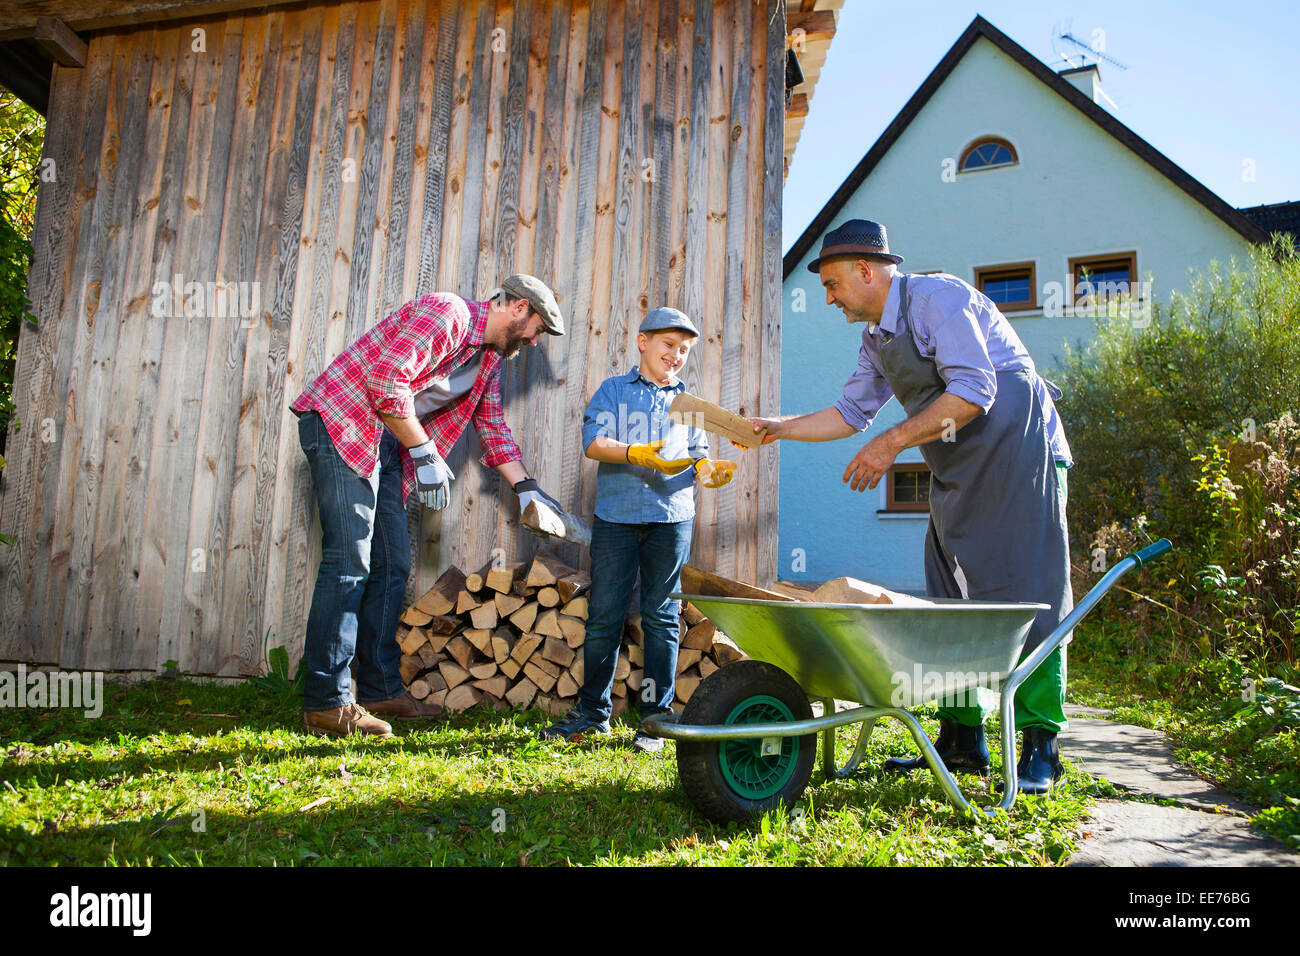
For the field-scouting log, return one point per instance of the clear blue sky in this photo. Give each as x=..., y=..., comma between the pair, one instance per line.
x=1207, y=84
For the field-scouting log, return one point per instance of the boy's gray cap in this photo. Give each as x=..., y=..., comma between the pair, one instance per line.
x=540, y=298
x=664, y=318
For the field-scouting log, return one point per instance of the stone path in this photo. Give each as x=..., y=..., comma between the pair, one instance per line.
x=1208, y=827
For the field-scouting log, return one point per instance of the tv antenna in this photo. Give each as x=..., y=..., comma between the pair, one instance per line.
x=1075, y=53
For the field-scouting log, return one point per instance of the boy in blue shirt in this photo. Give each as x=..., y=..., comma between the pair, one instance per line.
x=645, y=507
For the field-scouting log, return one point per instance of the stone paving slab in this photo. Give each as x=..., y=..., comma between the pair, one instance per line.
x=1128, y=833
x=1140, y=760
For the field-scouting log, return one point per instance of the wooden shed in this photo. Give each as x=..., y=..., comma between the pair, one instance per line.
x=238, y=190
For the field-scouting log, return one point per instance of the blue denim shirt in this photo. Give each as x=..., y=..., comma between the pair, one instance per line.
x=631, y=409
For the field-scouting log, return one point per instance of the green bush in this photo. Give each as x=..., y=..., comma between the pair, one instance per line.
x=1184, y=428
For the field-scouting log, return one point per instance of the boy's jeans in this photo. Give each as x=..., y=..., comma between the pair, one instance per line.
x=361, y=585
x=618, y=553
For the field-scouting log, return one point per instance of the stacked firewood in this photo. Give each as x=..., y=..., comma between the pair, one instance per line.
x=511, y=635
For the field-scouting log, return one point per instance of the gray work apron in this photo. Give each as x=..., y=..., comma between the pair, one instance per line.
x=997, y=522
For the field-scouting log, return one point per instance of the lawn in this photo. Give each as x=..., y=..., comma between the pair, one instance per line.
x=157, y=780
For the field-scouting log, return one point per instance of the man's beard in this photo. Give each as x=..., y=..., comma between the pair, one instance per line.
x=515, y=337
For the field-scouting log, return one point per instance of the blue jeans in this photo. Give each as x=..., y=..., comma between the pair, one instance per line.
x=618, y=553
x=361, y=585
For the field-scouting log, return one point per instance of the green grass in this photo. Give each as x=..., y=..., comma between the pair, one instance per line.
x=127, y=789
x=1251, y=753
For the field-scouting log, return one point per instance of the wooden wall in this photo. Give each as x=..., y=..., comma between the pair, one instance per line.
x=347, y=158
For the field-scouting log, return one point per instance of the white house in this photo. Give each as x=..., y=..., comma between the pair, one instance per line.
x=1010, y=176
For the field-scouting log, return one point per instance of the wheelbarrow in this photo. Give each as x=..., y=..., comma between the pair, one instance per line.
x=747, y=741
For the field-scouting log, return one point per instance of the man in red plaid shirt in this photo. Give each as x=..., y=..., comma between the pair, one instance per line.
x=374, y=427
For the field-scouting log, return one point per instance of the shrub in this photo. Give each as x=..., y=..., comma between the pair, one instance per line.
x=1185, y=429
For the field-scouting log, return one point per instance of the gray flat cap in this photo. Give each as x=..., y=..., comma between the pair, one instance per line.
x=664, y=318
x=541, y=298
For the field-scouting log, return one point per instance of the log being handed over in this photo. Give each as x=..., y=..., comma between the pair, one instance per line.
x=549, y=523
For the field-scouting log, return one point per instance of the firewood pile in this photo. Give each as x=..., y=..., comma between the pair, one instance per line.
x=511, y=636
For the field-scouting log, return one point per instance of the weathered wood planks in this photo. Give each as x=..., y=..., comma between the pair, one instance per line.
x=344, y=159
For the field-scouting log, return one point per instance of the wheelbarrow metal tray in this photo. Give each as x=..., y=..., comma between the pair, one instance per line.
x=881, y=655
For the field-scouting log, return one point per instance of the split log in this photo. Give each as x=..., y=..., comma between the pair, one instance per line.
x=414, y=639
x=507, y=604
x=790, y=589
x=409, y=667
x=636, y=654
x=481, y=639
x=503, y=642
x=439, y=642
x=556, y=650
x=576, y=608
x=484, y=616
x=623, y=668
x=442, y=624
x=633, y=632
x=415, y=617
x=700, y=637
x=578, y=670
x=463, y=697
x=494, y=686
x=620, y=708
x=620, y=688
x=725, y=651
x=524, y=648
x=544, y=680
x=686, y=684
x=511, y=667
x=453, y=674
x=441, y=598
x=466, y=602
x=435, y=681
x=698, y=581
x=438, y=697
x=502, y=579
x=707, y=667
x=546, y=522
x=691, y=614
x=699, y=413
x=428, y=656
x=458, y=649
x=572, y=585
x=522, y=694
x=687, y=658
x=525, y=616
x=574, y=630
x=483, y=671
x=548, y=623
x=566, y=686
x=853, y=591
x=634, y=681
x=545, y=570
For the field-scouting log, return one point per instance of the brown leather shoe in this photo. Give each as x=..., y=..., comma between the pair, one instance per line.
x=405, y=707
x=344, y=722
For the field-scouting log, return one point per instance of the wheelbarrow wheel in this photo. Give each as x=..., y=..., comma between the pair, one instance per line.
x=732, y=780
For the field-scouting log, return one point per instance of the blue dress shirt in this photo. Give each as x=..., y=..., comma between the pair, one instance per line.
x=632, y=409
x=961, y=330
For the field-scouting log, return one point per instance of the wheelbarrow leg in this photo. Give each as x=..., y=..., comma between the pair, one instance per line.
x=828, y=745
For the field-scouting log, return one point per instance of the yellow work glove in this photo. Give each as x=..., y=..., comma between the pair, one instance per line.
x=647, y=456
x=715, y=474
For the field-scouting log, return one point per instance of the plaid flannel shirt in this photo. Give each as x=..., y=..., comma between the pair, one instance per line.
x=384, y=370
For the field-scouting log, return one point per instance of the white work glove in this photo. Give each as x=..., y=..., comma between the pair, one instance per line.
x=432, y=476
x=528, y=491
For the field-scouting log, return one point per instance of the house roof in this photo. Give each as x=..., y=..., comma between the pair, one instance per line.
x=979, y=27
x=817, y=19
x=1275, y=217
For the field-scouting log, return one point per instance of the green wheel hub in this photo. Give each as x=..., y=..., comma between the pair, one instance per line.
x=752, y=775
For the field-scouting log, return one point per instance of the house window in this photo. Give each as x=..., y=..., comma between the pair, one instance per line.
x=908, y=488
x=987, y=153
x=1103, y=278
x=1011, y=287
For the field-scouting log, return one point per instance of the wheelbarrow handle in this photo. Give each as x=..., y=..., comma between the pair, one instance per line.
x=1151, y=552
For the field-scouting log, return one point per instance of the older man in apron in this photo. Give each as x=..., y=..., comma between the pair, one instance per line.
x=987, y=428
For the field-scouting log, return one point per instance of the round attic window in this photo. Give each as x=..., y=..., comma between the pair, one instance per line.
x=987, y=153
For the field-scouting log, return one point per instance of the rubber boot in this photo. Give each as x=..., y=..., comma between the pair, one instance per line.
x=962, y=749
x=1040, y=761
